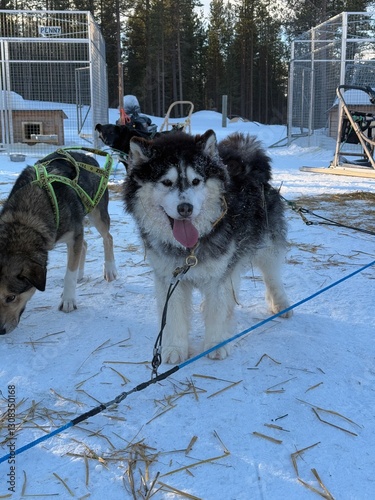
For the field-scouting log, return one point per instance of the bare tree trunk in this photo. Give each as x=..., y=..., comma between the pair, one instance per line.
x=180, y=98
x=149, y=72
x=163, y=77
x=119, y=65
x=250, y=96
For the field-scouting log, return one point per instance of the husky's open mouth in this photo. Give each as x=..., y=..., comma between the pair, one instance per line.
x=184, y=232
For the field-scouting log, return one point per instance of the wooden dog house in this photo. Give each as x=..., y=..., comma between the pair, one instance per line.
x=35, y=126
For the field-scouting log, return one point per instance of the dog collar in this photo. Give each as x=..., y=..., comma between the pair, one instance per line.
x=224, y=211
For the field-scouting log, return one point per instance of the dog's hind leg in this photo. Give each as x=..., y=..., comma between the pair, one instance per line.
x=74, y=244
x=101, y=220
x=175, y=340
x=270, y=261
x=82, y=261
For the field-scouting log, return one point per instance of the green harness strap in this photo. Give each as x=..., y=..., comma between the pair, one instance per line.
x=44, y=179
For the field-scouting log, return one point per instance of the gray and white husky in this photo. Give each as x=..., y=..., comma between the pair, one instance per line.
x=33, y=220
x=189, y=194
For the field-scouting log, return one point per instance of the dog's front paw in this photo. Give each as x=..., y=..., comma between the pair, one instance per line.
x=68, y=305
x=174, y=354
x=276, y=308
x=277, y=302
x=110, y=271
x=218, y=354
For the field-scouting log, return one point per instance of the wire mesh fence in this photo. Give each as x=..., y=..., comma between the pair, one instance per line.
x=340, y=51
x=53, y=80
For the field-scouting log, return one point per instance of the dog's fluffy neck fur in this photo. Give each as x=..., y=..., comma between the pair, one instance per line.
x=27, y=218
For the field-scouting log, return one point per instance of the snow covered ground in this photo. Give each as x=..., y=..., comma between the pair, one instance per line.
x=289, y=415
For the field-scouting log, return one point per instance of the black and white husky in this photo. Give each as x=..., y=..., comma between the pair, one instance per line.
x=186, y=192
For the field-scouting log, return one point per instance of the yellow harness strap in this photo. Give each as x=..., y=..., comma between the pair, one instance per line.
x=45, y=179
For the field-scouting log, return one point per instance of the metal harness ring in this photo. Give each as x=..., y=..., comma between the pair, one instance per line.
x=191, y=261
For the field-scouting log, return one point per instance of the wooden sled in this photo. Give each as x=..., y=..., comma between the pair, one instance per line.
x=347, y=169
x=354, y=128
x=186, y=124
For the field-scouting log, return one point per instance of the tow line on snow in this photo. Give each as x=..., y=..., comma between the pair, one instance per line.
x=327, y=222
x=166, y=374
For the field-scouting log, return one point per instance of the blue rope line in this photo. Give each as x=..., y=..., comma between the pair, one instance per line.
x=271, y=318
x=37, y=441
x=164, y=375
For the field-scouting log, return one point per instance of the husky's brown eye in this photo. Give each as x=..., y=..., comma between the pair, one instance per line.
x=167, y=183
x=196, y=182
x=10, y=299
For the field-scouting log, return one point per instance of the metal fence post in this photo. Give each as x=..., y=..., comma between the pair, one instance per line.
x=224, y=110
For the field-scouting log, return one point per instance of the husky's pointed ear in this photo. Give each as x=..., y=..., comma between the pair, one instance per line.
x=35, y=274
x=140, y=150
x=209, y=143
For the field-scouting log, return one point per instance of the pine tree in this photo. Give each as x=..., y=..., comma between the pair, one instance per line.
x=307, y=14
x=161, y=52
x=219, y=39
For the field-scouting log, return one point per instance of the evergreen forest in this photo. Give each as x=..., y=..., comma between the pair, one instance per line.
x=175, y=50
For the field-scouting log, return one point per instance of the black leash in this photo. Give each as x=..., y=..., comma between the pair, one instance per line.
x=178, y=274
x=328, y=222
x=91, y=413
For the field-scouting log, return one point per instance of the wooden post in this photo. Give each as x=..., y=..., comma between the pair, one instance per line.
x=224, y=110
x=120, y=91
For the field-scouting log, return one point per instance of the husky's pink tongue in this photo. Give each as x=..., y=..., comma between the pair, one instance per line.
x=185, y=233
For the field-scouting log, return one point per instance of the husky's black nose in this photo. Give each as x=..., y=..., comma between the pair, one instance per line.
x=185, y=209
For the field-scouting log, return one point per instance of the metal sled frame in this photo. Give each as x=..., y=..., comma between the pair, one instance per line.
x=360, y=168
x=185, y=125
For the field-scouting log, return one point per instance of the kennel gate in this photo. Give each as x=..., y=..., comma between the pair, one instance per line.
x=340, y=51
x=53, y=81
